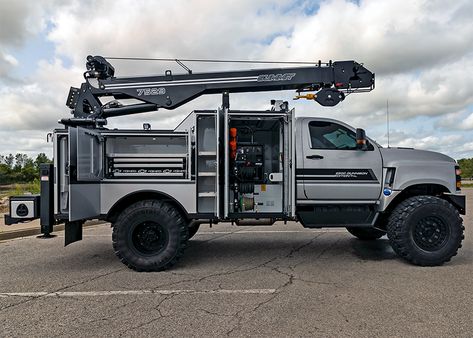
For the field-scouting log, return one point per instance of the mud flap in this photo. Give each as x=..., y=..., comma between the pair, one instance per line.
x=73, y=232
x=459, y=201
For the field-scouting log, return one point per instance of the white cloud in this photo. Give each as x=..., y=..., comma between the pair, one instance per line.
x=430, y=142
x=20, y=19
x=421, y=51
x=10, y=59
x=436, y=91
x=26, y=141
x=389, y=36
x=178, y=28
x=442, y=143
x=7, y=61
x=40, y=102
x=461, y=120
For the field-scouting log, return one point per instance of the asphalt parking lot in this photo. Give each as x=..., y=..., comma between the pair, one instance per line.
x=238, y=281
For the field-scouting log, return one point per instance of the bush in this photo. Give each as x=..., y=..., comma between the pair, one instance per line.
x=20, y=168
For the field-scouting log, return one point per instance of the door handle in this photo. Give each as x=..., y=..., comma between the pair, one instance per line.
x=315, y=157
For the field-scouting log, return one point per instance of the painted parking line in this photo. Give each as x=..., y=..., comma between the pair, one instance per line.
x=244, y=232
x=285, y=231
x=133, y=293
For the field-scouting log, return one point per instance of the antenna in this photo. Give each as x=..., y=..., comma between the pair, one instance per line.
x=387, y=119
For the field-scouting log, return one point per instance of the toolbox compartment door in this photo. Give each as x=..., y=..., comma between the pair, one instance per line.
x=86, y=172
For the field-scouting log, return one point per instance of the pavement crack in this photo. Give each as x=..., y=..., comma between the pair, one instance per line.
x=240, y=317
x=220, y=274
x=327, y=249
x=160, y=316
x=158, y=306
x=302, y=246
x=237, y=270
x=32, y=298
x=214, y=313
x=265, y=264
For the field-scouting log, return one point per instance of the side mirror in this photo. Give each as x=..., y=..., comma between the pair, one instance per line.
x=361, y=142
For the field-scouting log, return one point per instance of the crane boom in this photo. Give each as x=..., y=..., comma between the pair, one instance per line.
x=330, y=80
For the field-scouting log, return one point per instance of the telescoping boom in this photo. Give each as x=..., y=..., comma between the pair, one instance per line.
x=331, y=81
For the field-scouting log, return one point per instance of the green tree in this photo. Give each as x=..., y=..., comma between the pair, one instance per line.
x=29, y=171
x=20, y=161
x=41, y=158
x=466, y=165
x=5, y=173
x=9, y=160
x=20, y=168
x=6, y=168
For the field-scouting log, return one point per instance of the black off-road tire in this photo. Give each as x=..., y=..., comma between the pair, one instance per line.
x=150, y=235
x=425, y=230
x=366, y=234
x=193, y=230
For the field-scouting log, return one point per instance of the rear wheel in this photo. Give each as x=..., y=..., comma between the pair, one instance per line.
x=366, y=234
x=149, y=235
x=425, y=230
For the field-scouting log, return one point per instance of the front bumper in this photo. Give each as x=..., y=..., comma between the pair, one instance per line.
x=459, y=201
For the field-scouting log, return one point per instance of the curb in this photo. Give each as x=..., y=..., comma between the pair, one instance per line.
x=6, y=235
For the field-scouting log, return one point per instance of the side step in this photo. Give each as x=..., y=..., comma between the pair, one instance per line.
x=318, y=216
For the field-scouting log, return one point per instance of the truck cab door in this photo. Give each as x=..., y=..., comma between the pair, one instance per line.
x=85, y=173
x=333, y=168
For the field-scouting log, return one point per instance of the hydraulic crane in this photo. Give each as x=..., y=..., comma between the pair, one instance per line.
x=331, y=81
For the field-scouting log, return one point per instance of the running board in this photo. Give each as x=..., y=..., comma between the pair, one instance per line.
x=318, y=216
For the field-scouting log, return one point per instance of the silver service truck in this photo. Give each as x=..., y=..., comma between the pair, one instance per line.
x=245, y=167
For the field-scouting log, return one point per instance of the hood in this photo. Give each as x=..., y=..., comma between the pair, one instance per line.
x=393, y=155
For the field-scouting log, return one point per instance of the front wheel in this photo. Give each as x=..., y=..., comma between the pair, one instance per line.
x=425, y=230
x=149, y=235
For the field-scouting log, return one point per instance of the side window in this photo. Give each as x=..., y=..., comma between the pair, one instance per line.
x=328, y=135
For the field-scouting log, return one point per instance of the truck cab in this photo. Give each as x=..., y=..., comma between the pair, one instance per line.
x=353, y=186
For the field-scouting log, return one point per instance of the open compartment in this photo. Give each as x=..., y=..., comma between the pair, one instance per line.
x=255, y=165
x=207, y=180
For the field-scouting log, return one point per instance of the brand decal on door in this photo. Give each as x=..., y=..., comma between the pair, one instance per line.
x=336, y=175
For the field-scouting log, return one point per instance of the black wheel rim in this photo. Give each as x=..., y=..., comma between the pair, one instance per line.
x=431, y=233
x=149, y=238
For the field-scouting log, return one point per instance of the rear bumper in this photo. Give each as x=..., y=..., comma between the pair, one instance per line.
x=459, y=201
x=13, y=220
x=23, y=208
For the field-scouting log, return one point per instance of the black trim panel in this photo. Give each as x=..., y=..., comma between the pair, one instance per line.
x=336, y=175
x=336, y=215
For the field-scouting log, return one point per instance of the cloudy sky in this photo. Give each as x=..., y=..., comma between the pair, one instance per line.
x=421, y=52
